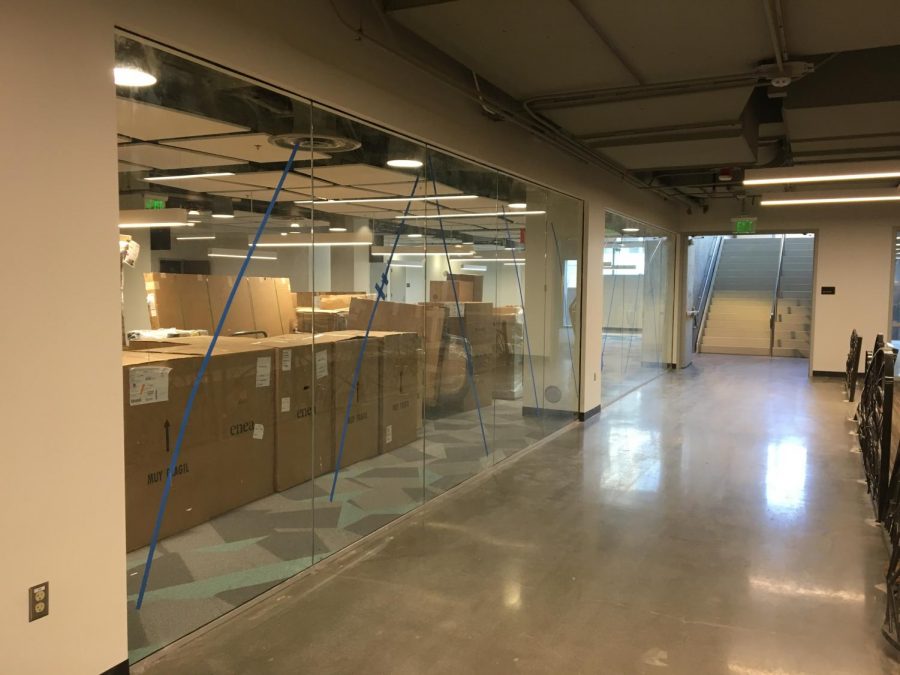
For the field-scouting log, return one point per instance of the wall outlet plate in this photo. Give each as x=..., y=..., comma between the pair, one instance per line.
x=38, y=601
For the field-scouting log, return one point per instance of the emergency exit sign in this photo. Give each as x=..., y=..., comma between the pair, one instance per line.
x=154, y=204
x=744, y=225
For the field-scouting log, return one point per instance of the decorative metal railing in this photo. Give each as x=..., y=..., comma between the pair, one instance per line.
x=873, y=417
x=853, y=364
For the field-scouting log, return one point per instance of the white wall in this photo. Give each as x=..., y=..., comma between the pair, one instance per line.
x=62, y=515
x=854, y=253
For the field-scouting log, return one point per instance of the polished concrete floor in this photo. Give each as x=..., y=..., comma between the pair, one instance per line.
x=710, y=522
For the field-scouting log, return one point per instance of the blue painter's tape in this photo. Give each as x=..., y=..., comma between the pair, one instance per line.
x=154, y=539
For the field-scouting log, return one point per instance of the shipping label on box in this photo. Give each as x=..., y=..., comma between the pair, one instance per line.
x=148, y=384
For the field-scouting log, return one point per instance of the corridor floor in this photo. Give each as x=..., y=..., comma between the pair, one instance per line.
x=709, y=522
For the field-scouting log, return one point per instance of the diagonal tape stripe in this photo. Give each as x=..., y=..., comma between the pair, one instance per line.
x=199, y=378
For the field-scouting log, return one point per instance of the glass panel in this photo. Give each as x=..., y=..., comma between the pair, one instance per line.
x=366, y=304
x=239, y=515
x=638, y=266
x=401, y=305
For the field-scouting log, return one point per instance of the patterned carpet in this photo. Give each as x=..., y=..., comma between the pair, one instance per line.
x=203, y=573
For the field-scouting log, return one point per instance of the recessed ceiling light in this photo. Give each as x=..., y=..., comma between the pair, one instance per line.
x=337, y=229
x=284, y=234
x=128, y=76
x=193, y=212
x=471, y=215
x=187, y=176
x=518, y=205
x=404, y=163
x=295, y=224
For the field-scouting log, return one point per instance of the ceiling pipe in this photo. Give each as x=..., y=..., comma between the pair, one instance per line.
x=777, y=46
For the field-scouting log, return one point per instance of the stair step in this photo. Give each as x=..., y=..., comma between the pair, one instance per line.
x=749, y=351
x=798, y=353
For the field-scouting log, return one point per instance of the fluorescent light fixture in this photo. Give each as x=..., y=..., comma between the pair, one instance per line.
x=518, y=205
x=295, y=225
x=187, y=176
x=466, y=250
x=284, y=234
x=417, y=235
x=337, y=229
x=404, y=163
x=193, y=212
x=129, y=76
x=474, y=268
x=417, y=267
x=823, y=173
x=132, y=219
x=198, y=238
x=223, y=215
x=854, y=197
x=237, y=253
x=385, y=200
x=631, y=229
x=360, y=238
x=193, y=220
x=490, y=214
x=514, y=264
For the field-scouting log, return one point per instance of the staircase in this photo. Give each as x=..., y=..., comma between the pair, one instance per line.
x=792, y=318
x=741, y=302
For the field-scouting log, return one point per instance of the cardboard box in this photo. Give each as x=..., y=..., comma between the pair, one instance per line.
x=477, y=281
x=313, y=320
x=442, y=291
x=155, y=389
x=338, y=300
x=287, y=309
x=162, y=301
x=264, y=303
x=509, y=363
x=427, y=320
x=401, y=389
x=228, y=454
x=361, y=440
x=240, y=316
x=304, y=409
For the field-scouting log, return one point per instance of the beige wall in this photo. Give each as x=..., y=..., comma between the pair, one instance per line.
x=854, y=251
x=62, y=516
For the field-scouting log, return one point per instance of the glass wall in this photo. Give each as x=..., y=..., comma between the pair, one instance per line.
x=638, y=300
x=406, y=319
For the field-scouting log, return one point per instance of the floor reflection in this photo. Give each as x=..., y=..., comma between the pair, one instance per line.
x=634, y=461
x=786, y=475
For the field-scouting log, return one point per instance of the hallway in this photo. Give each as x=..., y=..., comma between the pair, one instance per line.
x=710, y=522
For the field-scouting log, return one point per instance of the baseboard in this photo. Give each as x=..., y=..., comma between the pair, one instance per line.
x=829, y=373
x=118, y=669
x=531, y=411
x=588, y=414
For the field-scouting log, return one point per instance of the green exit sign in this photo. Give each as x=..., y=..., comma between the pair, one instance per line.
x=744, y=225
x=154, y=204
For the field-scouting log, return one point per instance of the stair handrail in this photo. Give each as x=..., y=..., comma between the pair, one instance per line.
x=712, y=269
x=775, y=298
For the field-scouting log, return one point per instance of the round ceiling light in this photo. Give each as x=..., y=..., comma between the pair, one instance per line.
x=128, y=76
x=404, y=163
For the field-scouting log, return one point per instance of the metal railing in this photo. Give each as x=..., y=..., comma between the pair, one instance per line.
x=774, y=311
x=874, y=417
x=853, y=365
x=712, y=269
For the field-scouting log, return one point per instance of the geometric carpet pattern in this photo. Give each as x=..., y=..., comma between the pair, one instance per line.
x=202, y=573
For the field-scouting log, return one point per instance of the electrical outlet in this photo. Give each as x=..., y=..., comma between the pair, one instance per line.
x=39, y=601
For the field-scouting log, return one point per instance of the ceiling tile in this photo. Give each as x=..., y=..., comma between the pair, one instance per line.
x=359, y=174
x=423, y=189
x=164, y=157
x=150, y=122
x=128, y=166
x=344, y=192
x=262, y=194
x=269, y=179
x=250, y=147
x=201, y=185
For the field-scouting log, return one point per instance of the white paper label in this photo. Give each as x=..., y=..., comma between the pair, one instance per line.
x=263, y=371
x=258, y=430
x=148, y=384
x=285, y=359
x=321, y=364
x=388, y=433
x=285, y=403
